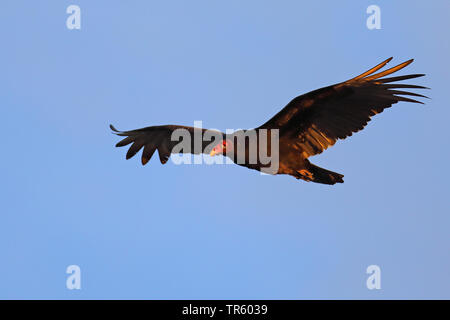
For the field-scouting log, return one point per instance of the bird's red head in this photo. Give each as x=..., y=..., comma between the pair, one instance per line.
x=221, y=148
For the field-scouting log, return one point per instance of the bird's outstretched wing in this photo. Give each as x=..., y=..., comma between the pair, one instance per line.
x=163, y=139
x=314, y=121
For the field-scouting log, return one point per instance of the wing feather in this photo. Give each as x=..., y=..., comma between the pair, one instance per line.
x=160, y=138
x=315, y=121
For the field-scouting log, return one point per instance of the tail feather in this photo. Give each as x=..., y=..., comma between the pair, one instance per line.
x=324, y=176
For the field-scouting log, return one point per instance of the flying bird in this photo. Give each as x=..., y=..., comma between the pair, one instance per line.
x=306, y=126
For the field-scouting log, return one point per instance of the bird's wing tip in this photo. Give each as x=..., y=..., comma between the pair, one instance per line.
x=113, y=128
x=408, y=62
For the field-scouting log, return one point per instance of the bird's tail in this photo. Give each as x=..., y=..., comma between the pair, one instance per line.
x=324, y=176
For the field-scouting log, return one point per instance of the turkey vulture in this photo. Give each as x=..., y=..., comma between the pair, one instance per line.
x=306, y=126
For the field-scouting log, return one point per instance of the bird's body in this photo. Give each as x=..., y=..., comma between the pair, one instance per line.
x=309, y=124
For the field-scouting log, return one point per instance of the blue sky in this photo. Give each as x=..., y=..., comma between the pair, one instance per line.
x=212, y=232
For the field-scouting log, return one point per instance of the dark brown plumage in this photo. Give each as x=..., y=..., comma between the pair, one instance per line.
x=308, y=125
